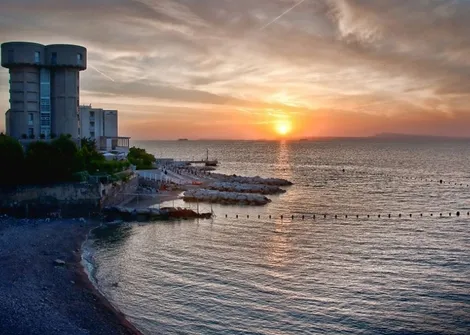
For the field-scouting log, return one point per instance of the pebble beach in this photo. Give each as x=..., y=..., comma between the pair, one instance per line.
x=44, y=289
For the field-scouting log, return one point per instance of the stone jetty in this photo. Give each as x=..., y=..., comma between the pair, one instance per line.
x=245, y=188
x=152, y=214
x=225, y=198
x=251, y=180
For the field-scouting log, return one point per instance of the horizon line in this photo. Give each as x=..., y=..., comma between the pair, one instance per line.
x=385, y=136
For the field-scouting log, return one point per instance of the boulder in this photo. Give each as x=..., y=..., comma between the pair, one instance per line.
x=59, y=262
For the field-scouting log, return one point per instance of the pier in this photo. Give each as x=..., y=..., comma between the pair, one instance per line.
x=206, y=162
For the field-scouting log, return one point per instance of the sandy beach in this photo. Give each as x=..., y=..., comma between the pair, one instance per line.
x=41, y=297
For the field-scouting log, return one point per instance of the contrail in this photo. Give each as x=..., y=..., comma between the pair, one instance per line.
x=104, y=75
x=277, y=18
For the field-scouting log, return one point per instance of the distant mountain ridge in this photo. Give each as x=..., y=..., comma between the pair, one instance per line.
x=414, y=136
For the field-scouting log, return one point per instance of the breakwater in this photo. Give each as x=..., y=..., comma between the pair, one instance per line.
x=245, y=188
x=251, y=180
x=151, y=214
x=225, y=198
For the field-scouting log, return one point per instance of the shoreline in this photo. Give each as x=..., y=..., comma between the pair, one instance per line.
x=85, y=277
x=87, y=280
x=41, y=297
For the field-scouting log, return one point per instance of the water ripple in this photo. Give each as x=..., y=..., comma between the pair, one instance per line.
x=324, y=276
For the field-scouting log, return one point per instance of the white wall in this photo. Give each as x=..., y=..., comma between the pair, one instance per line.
x=110, y=123
x=87, y=128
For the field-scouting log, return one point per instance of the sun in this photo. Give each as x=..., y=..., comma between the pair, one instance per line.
x=283, y=127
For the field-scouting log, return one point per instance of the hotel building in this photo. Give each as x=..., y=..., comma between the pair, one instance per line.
x=101, y=125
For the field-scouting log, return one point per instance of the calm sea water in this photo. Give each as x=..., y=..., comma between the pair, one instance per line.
x=325, y=276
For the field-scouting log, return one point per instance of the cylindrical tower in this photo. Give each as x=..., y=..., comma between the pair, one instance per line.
x=24, y=61
x=65, y=63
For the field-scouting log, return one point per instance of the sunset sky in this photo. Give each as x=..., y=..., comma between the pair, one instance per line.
x=230, y=69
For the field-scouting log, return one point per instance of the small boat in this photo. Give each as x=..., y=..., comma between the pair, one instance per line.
x=212, y=162
x=183, y=139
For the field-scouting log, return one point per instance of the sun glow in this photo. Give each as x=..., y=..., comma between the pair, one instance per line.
x=283, y=127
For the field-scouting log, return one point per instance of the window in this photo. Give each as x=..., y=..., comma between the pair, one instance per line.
x=11, y=56
x=30, y=119
x=30, y=132
x=92, y=134
x=37, y=57
x=79, y=59
x=54, y=58
x=92, y=124
x=45, y=103
x=92, y=113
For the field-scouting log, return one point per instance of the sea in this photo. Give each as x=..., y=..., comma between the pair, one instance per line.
x=372, y=238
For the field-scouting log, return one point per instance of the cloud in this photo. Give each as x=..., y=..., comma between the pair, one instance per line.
x=382, y=58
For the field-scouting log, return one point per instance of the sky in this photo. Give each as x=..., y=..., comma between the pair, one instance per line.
x=252, y=69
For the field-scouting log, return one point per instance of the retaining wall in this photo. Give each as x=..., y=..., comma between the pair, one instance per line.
x=64, y=200
x=119, y=192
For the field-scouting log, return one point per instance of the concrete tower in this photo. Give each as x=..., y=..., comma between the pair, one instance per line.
x=44, y=88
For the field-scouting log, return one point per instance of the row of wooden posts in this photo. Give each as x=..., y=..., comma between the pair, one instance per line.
x=346, y=216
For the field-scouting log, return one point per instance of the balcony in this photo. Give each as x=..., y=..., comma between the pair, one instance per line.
x=120, y=144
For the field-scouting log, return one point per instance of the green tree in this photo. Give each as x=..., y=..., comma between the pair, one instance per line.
x=140, y=158
x=12, y=162
x=51, y=162
x=88, y=143
x=90, y=158
x=64, y=151
x=41, y=161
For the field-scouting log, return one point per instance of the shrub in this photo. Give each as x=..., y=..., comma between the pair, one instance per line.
x=140, y=158
x=40, y=161
x=81, y=176
x=12, y=162
x=57, y=161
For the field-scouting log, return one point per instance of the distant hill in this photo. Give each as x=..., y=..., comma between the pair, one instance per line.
x=413, y=136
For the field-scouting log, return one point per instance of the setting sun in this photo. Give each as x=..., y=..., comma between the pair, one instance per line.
x=283, y=127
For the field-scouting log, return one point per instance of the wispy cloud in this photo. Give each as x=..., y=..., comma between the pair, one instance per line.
x=348, y=57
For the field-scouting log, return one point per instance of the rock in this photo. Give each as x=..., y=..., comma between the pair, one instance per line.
x=245, y=188
x=251, y=180
x=225, y=197
x=143, y=211
x=59, y=262
x=155, y=211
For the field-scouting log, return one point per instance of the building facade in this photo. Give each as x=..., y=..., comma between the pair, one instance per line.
x=101, y=125
x=97, y=122
x=44, y=88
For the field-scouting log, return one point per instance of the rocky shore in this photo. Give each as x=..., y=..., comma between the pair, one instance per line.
x=151, y=214
x=250, y=180
x=225, y=198
x=44, y=289
x=245, y=188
